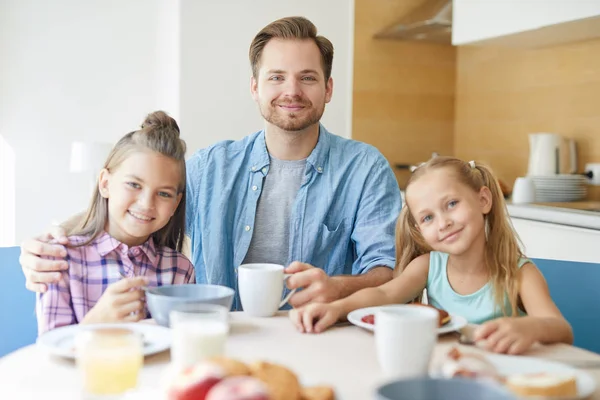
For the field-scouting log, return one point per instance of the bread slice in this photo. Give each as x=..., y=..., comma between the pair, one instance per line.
x=542, y=384
x=467, y=365
x=282, y=383
x=443, y=316
x=230, y=366
x=318, y=393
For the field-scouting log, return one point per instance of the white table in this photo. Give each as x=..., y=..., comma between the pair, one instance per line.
x=343, y=357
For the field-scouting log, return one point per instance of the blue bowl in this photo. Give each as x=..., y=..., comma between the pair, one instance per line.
x=162, y=300
x=443, y=389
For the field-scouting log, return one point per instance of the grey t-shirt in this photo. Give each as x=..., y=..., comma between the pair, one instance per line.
x=271, y=235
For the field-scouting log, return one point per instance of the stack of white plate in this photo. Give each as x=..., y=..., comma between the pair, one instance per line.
x=558, y=188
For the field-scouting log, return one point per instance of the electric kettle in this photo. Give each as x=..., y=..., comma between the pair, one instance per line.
x=551, y=154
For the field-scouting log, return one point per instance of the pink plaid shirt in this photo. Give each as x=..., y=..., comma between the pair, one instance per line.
x=95, y=266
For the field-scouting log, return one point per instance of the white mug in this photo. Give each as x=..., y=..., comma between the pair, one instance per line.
x=523, y=191
x=261, y=287
x=405, y=336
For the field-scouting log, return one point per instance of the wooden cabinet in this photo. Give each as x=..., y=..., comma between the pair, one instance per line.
x=524, y=23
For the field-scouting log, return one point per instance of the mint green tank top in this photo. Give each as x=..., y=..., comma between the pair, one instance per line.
x=477, y=307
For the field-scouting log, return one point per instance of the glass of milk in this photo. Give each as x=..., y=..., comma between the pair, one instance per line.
x=198, y=333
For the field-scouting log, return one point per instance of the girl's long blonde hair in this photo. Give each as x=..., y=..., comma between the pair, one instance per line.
x=502, y=251
x=159, y=133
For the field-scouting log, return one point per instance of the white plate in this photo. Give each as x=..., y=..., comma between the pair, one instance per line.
x=562, y=177
x=61, y=341
x=559, y=191
x=510, y=365
x=355, y=317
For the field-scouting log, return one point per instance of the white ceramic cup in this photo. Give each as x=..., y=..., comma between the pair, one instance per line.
x=261, y=288
x=523, y=191
x=405, y=336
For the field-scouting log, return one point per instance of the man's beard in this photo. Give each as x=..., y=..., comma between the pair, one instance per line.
x=290, y=121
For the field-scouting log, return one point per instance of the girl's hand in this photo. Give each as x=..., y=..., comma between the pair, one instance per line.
x=121, y=302
x=315, y=317
x=512, y=335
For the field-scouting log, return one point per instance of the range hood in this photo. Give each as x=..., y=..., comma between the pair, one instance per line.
x=429, y=22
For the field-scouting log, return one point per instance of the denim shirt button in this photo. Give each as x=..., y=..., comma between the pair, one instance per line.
x=254, y=187
x=247, y=228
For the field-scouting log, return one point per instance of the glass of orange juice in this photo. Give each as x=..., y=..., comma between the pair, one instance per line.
x=109, y=361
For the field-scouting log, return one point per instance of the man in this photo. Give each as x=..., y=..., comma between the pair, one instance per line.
x=291, y=194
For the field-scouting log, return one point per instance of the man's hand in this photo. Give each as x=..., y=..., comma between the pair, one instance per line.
x=37, y=270
x=122, y=301
x=316, y=285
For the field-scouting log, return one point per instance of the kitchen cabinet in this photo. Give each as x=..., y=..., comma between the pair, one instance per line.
x=524, y=23
x=552, y=241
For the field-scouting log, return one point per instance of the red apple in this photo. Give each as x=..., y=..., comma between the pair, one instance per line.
x=239, y=388
x=195, y=382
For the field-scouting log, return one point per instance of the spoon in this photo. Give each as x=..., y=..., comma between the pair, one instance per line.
x=467, y=335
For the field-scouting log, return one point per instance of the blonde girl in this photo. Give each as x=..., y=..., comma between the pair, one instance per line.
x=130, y=236
x=454, y=238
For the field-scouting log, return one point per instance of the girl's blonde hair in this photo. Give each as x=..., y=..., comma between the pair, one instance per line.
x=159, y=133
x=502, y=251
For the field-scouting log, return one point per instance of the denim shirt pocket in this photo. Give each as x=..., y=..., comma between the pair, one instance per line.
x=332, y=245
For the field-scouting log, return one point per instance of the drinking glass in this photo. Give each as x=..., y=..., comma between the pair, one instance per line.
x=109, y=361
x=199, y=332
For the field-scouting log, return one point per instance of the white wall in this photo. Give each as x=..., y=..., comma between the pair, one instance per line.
x=71, y=70
x=7, y=194
x=91, y=70
x=215, y=71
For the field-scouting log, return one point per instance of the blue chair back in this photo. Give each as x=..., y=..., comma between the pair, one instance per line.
x=18, y=324
x=575, y=288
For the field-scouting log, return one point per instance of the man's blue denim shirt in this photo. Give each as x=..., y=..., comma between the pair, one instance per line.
x=342, y=221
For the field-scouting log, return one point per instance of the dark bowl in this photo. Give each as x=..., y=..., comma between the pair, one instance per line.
x=162, y=300
x=443, y=389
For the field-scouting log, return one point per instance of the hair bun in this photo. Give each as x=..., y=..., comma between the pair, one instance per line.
x=160, y=119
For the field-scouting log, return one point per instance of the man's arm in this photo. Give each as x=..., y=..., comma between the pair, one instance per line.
x=321, y=288
x=374, y=242
x=39, y=271
x=348, y=284
x=375, y=224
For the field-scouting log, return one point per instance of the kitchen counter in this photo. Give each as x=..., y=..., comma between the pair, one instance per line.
x=581, y=214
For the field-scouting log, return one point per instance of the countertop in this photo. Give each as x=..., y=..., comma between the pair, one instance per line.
x=581, y=214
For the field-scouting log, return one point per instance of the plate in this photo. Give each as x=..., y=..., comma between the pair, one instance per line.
x=561, y=177
x=355, y=317
x=507, y=365
x=61, y=341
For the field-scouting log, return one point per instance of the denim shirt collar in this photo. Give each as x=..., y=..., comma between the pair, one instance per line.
x=260, y=160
